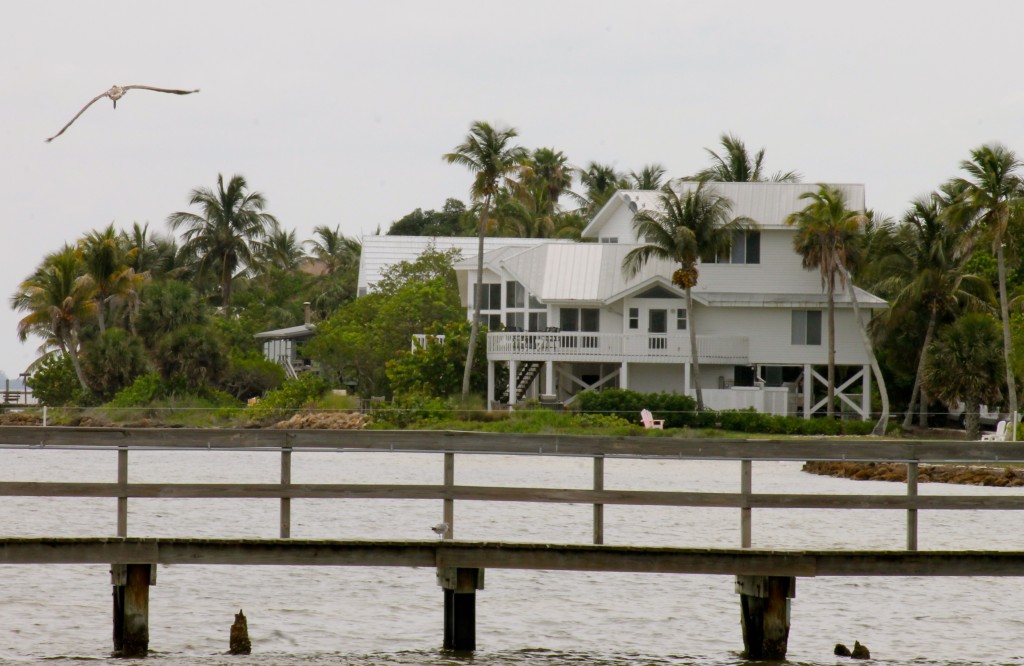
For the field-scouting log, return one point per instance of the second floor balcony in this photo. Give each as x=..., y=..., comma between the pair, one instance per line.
x=614, y=347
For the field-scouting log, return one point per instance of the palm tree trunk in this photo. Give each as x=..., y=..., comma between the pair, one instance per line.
x=1004, y=311
x=100, y=319
x=225, y=291
x=72, y=349
x=694, y=356
x=883, y=393
x=477, y=297
x=923, y=407
x=830, y=407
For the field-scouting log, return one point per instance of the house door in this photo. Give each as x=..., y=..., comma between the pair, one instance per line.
x=657, y=328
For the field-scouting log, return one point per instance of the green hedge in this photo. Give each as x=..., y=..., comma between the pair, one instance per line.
x=680, y=411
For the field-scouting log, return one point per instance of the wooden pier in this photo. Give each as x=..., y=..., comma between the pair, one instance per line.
x=765, y=579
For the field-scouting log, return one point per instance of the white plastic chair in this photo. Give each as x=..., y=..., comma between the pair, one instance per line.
x=998, y=436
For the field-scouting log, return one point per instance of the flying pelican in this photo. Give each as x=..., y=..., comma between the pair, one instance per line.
x=115, y=93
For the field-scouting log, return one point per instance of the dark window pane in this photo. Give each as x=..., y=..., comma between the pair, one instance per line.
x=814, y=327
x=753, y=247
x=569, y=319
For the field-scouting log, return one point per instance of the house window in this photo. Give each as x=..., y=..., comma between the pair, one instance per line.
x=680, y=319
x=634, y=318
x=806, y=327
x=490, y=297
x=514, y=321
x=515, y=295
x=538, y=321
x=746, y=249
x=491, y=321
x=584, y=320
x=610, y=239
x=535, y=304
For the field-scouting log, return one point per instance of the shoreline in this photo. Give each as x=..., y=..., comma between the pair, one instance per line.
x=957, y=474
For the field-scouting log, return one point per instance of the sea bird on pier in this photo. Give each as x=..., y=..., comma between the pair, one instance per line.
x=115, y=93
x=440, y=529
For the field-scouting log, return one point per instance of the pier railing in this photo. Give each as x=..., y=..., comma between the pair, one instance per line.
x=452, y=444
x=765, y=579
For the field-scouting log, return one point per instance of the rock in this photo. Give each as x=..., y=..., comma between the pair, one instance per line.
x=240, y=643
x=21, y=418
x=324, y=420
x=860, y=651
x=841, y=650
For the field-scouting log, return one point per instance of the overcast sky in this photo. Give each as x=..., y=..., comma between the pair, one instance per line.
x=339, y=112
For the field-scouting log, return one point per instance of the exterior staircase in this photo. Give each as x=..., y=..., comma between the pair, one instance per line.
x=528, y=371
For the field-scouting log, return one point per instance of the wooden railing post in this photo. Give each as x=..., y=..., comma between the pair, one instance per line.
x=912, y=511
x=449, y=503
x=599, y=508
x=286, y=502
x=746, y=515
x=122, y=500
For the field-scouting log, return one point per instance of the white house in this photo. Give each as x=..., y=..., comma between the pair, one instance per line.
x=564, y=318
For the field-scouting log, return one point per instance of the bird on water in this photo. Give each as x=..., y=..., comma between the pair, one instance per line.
x=115, y=93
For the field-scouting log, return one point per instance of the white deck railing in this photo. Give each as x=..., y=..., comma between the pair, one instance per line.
x=670, y=347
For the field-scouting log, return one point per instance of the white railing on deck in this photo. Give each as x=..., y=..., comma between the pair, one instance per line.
x=668, y=346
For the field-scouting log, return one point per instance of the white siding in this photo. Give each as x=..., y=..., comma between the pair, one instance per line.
x=769, y=331
x=651, y=378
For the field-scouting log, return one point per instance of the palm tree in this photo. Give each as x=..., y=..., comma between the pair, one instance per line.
x=735, y=165
x=600, y=182
x=57, y=302
x=827, y=239
x=548, y=171
x=333, y=249
x=279, y=249
x=488, y=154
x=650, y=177
x=993, y=197
x=688, y=228
x=924, y=272
x=220, y=239
x=963, y=364
x=107, y=269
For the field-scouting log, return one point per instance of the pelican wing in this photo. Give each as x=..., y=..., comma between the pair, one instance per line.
x=91, y=102
x=166, y=90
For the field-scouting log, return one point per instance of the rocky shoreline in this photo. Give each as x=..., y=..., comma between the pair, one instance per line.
x=962, y=474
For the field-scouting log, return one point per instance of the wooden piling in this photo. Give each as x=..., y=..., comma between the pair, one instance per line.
x=460, y=586
x=131, y=608
x=764, y=612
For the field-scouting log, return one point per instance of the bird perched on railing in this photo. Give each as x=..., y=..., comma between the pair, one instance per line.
x=440, y=529
x=115, y=93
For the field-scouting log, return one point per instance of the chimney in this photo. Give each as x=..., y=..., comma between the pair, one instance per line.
x=308, y=314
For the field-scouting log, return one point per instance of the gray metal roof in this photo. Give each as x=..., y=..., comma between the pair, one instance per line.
x=290, y=333
x=766, y=203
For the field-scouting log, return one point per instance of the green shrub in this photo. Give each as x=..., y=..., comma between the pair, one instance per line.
x=192, y=354
x=113, y=361
x=412, y=410
x=294, y=394
x=53, y=381
x=677, y=410
x=140, y=393
x=250, y=374
x=601, y=421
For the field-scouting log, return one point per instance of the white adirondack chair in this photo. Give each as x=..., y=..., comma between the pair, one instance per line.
x=649, y=420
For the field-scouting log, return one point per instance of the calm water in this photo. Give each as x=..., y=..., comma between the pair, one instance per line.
x=381, y=616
